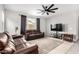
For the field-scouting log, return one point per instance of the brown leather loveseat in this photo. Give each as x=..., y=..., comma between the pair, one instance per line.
x=33, y=34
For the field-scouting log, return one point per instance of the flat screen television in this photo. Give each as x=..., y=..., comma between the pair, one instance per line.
x=58, y=27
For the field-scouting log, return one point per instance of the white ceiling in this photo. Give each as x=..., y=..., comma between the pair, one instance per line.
x=31, y=9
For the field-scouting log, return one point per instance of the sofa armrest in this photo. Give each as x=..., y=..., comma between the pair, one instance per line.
x=29, y=50
x=17, y=36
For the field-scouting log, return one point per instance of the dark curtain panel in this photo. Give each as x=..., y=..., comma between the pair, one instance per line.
x=38, y=24
x=23, y=24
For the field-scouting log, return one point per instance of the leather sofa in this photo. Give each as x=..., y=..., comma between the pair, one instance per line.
x=33, y=34
x=11, y=46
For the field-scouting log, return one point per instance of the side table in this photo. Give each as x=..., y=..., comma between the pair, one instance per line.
x=67, y=37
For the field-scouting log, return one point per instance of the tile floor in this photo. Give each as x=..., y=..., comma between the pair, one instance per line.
x=74, y=49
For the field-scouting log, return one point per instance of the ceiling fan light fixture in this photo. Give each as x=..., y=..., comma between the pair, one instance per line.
x=47, y=9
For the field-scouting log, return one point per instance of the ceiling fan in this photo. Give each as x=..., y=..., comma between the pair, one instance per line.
x=47, y=9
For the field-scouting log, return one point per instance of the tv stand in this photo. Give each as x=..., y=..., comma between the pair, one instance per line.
x=65, y=36
x=68, y=37
x=57, y=35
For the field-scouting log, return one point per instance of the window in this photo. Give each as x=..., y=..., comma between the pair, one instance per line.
x=31, y=24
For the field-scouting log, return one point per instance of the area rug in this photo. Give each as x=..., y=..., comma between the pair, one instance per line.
x=45, y=45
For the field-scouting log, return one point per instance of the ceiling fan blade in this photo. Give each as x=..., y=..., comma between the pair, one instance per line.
x=54, y=9
x=51, y=11
x=43, y=13
x=50, y=6
x=44, y=7
x=40, y=10
x=47, y=13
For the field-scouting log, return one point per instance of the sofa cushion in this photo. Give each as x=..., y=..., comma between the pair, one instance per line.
x=20, y=43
